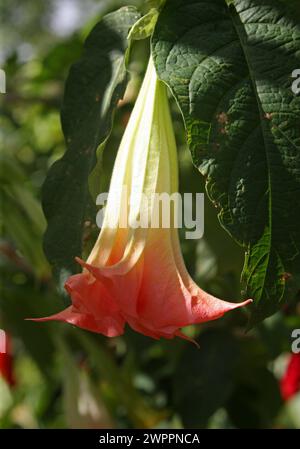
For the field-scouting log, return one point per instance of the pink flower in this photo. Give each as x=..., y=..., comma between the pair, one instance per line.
x=290, y=383
x=6, y=359
x=136, y=274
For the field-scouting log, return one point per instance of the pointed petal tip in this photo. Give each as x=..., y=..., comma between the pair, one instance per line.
x=63, y=315
x=246, y=302
x=237, y=305
x=34, y=319
x=109, y=328
x=46, y=318
x=189, y=339
x=79, y=261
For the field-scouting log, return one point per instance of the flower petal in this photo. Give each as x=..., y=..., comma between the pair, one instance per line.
x=93, y=308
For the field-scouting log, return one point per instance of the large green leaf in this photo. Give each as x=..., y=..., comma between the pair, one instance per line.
x=94, y=86
x=230, y=70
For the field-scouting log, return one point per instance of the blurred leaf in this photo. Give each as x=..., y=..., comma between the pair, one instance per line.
x=6, y=398
x=256, y=399
x=203, y=381
x=155, y=3
x=22, y=216
x=119, y=387
x=290, y=414
x=229, y=69
x=84, y=408
x=93, y=88
x=18, y=304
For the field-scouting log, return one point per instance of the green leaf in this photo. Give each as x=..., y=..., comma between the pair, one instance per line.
x=230, y=70
x=94, y=85
x=198, y=391
x=144, y=27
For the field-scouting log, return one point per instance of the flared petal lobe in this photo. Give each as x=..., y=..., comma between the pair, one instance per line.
x=92, y=307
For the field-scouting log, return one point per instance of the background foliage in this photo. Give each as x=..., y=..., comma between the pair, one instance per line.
x=66, y=377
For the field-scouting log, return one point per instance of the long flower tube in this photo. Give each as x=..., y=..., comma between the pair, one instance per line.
x=136, y=274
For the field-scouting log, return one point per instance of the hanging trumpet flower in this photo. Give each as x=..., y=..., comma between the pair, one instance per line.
x=136, y=274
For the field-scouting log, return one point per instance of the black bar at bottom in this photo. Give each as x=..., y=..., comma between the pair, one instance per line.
x=90, y=439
